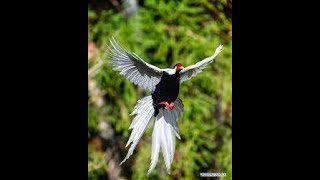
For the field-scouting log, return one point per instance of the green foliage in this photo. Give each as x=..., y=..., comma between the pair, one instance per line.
x=164, y=33
x=96, y=164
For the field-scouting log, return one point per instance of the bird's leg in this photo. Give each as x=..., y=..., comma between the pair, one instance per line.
x=171, y=106
x=167, y=106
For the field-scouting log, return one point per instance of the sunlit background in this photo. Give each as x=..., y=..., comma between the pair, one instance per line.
x=163, y=33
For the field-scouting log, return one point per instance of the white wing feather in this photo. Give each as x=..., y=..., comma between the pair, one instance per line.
x=193, y=70
x=133, y=67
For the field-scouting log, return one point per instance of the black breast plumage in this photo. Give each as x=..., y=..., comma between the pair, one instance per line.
x=166, y=90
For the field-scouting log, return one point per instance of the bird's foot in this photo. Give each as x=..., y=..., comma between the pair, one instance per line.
x=167, y=105
x=171, y=106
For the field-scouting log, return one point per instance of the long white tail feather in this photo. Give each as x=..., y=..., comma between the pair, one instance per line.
x=166, y=141
x=163, y=136
x=173, y=122
x=144, y=111
x=140, y=126
x=164, y=131
x=155, y=146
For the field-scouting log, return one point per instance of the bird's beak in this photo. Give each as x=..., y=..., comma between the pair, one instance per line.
x=181, y=67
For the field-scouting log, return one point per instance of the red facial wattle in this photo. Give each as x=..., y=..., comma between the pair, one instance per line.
x=179, y=66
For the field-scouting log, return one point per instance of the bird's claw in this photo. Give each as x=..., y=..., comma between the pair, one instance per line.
x=171, y=106
x=167, y=105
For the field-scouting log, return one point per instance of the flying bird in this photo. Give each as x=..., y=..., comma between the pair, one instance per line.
x=163, y=104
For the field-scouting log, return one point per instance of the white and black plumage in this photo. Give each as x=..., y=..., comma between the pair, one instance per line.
x=163, y=104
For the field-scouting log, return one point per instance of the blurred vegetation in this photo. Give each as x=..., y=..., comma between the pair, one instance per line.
x=162, y=32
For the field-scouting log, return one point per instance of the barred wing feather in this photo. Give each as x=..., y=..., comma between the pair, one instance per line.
x=133, y=67
x=193, y=70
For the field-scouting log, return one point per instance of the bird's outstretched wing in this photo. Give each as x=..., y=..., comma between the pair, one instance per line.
x=193, y=70
x=133, y=67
